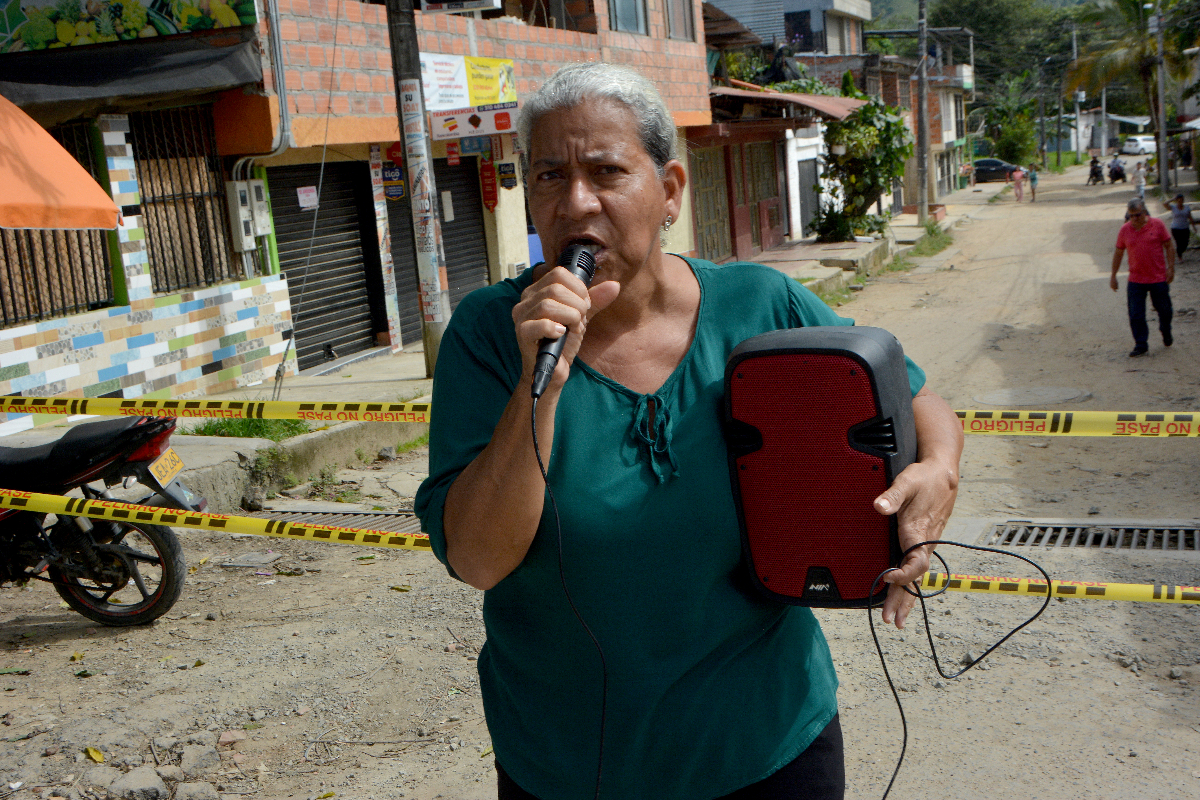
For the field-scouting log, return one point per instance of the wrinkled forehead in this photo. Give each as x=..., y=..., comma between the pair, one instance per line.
x=593, y=125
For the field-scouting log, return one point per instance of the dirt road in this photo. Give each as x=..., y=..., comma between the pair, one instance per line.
x=375, y=650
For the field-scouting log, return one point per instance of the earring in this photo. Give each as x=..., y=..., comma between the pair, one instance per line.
x=667, y=224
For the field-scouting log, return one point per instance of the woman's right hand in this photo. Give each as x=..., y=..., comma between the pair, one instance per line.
x=493, y=508
x=557, y=303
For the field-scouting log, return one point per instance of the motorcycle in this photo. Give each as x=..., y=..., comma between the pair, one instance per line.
x=113, y=572
x=1116, y=172
x=1095, y=175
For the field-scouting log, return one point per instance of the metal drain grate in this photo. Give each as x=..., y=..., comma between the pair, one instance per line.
x=1130, y=537
x=388, y=521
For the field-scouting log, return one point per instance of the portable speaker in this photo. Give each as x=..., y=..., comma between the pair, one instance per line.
x=818, y=423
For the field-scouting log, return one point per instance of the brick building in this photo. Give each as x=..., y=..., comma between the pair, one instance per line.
x=894, y=80
x=181, y=301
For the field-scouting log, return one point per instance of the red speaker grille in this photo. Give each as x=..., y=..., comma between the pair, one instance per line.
x=806, y=493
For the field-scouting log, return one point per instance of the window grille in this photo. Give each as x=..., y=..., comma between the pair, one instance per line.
x=47, y=274
x=182, y=189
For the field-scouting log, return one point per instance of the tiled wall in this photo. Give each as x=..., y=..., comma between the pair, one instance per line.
x=192, y=344
x=123, y=185
x=185, y=345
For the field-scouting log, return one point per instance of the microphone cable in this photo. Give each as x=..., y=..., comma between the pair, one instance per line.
x=929, y=633
x=570, y=601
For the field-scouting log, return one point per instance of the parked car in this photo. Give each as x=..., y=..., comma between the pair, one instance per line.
x=1139, y=145
x=992, y=169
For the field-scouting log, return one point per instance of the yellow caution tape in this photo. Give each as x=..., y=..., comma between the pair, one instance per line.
x=1084, y=590
x=233, y=409
x=128, y=512
x=1080, y=423
x=996, y=423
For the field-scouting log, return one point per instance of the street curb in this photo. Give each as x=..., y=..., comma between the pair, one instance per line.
x=259, y=464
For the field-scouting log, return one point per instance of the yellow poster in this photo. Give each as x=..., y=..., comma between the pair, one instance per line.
x=491, y=81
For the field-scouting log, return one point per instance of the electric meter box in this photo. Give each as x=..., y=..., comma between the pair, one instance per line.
x=241, y=219
x=260, y=209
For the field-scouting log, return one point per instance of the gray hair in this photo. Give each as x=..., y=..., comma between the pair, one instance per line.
x=574, y=83
x=1136, y=204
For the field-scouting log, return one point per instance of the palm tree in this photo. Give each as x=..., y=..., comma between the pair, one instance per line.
x=1128, y=53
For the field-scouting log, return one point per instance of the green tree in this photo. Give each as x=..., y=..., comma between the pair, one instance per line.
x=1012, y=97
x=1124, y=51
x=866, y=153
x=1010, y=35
x=1017, y=143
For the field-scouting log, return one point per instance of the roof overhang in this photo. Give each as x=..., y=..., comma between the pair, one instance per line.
x=824, y=105
x=722, y=31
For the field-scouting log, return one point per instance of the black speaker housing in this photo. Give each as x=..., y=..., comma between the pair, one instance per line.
x=818, y=423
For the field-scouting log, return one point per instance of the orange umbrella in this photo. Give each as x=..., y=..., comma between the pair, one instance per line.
x=41, y=184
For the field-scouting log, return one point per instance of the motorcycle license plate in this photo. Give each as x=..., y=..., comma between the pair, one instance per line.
x=166, y=467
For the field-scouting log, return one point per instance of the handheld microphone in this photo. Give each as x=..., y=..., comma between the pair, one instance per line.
x=578, y=259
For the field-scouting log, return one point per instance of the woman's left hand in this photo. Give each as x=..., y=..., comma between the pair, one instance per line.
x=922, y=496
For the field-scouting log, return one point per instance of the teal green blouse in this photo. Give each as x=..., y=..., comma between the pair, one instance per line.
x=710, y=687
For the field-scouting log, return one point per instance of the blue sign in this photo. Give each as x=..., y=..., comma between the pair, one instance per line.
x=475, y=145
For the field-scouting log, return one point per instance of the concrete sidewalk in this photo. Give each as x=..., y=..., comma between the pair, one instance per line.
x=226, y=470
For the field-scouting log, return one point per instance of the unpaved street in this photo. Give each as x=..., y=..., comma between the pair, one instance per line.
x=351, y=670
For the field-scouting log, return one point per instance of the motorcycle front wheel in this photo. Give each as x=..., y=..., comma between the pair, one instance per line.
x=140, y=577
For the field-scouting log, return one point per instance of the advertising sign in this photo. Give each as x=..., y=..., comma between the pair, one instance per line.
x=468, y=96
x=395, y=153
x=307, y=196
x=429, y=6
x=393, y=181
x=27, y=25
x=487, y=183
x=491, y=81
x=507, y=171
x=473, y=121
x=444, y=81
x=475, y=145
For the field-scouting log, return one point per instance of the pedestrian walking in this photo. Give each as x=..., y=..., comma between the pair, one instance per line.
x=1182, y=223
x=1139, y=179
x=1019, y=184
x=1033, y=176
x=1151, y=270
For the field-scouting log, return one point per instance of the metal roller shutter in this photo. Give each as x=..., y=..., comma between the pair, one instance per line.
x=404, y=264
x=332, y=308
x=463, y=239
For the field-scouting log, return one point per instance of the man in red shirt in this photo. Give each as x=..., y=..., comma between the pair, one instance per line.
x=1151, y=270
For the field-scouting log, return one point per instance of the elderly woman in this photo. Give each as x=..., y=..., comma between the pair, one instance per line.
x=627, y=656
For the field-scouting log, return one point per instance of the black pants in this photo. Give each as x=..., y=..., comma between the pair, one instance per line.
x=1160, y=298
x=819, y=773
x=1181, y=240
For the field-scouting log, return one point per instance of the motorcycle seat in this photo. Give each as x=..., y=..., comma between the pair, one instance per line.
x=53, y=466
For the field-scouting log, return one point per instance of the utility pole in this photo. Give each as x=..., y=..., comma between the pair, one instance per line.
x=1078, y=129
x=1042, y=125
x=427, y=227
x=1104, y=122
x=1161, y=118
x=922, y=117
x=1058, y=128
